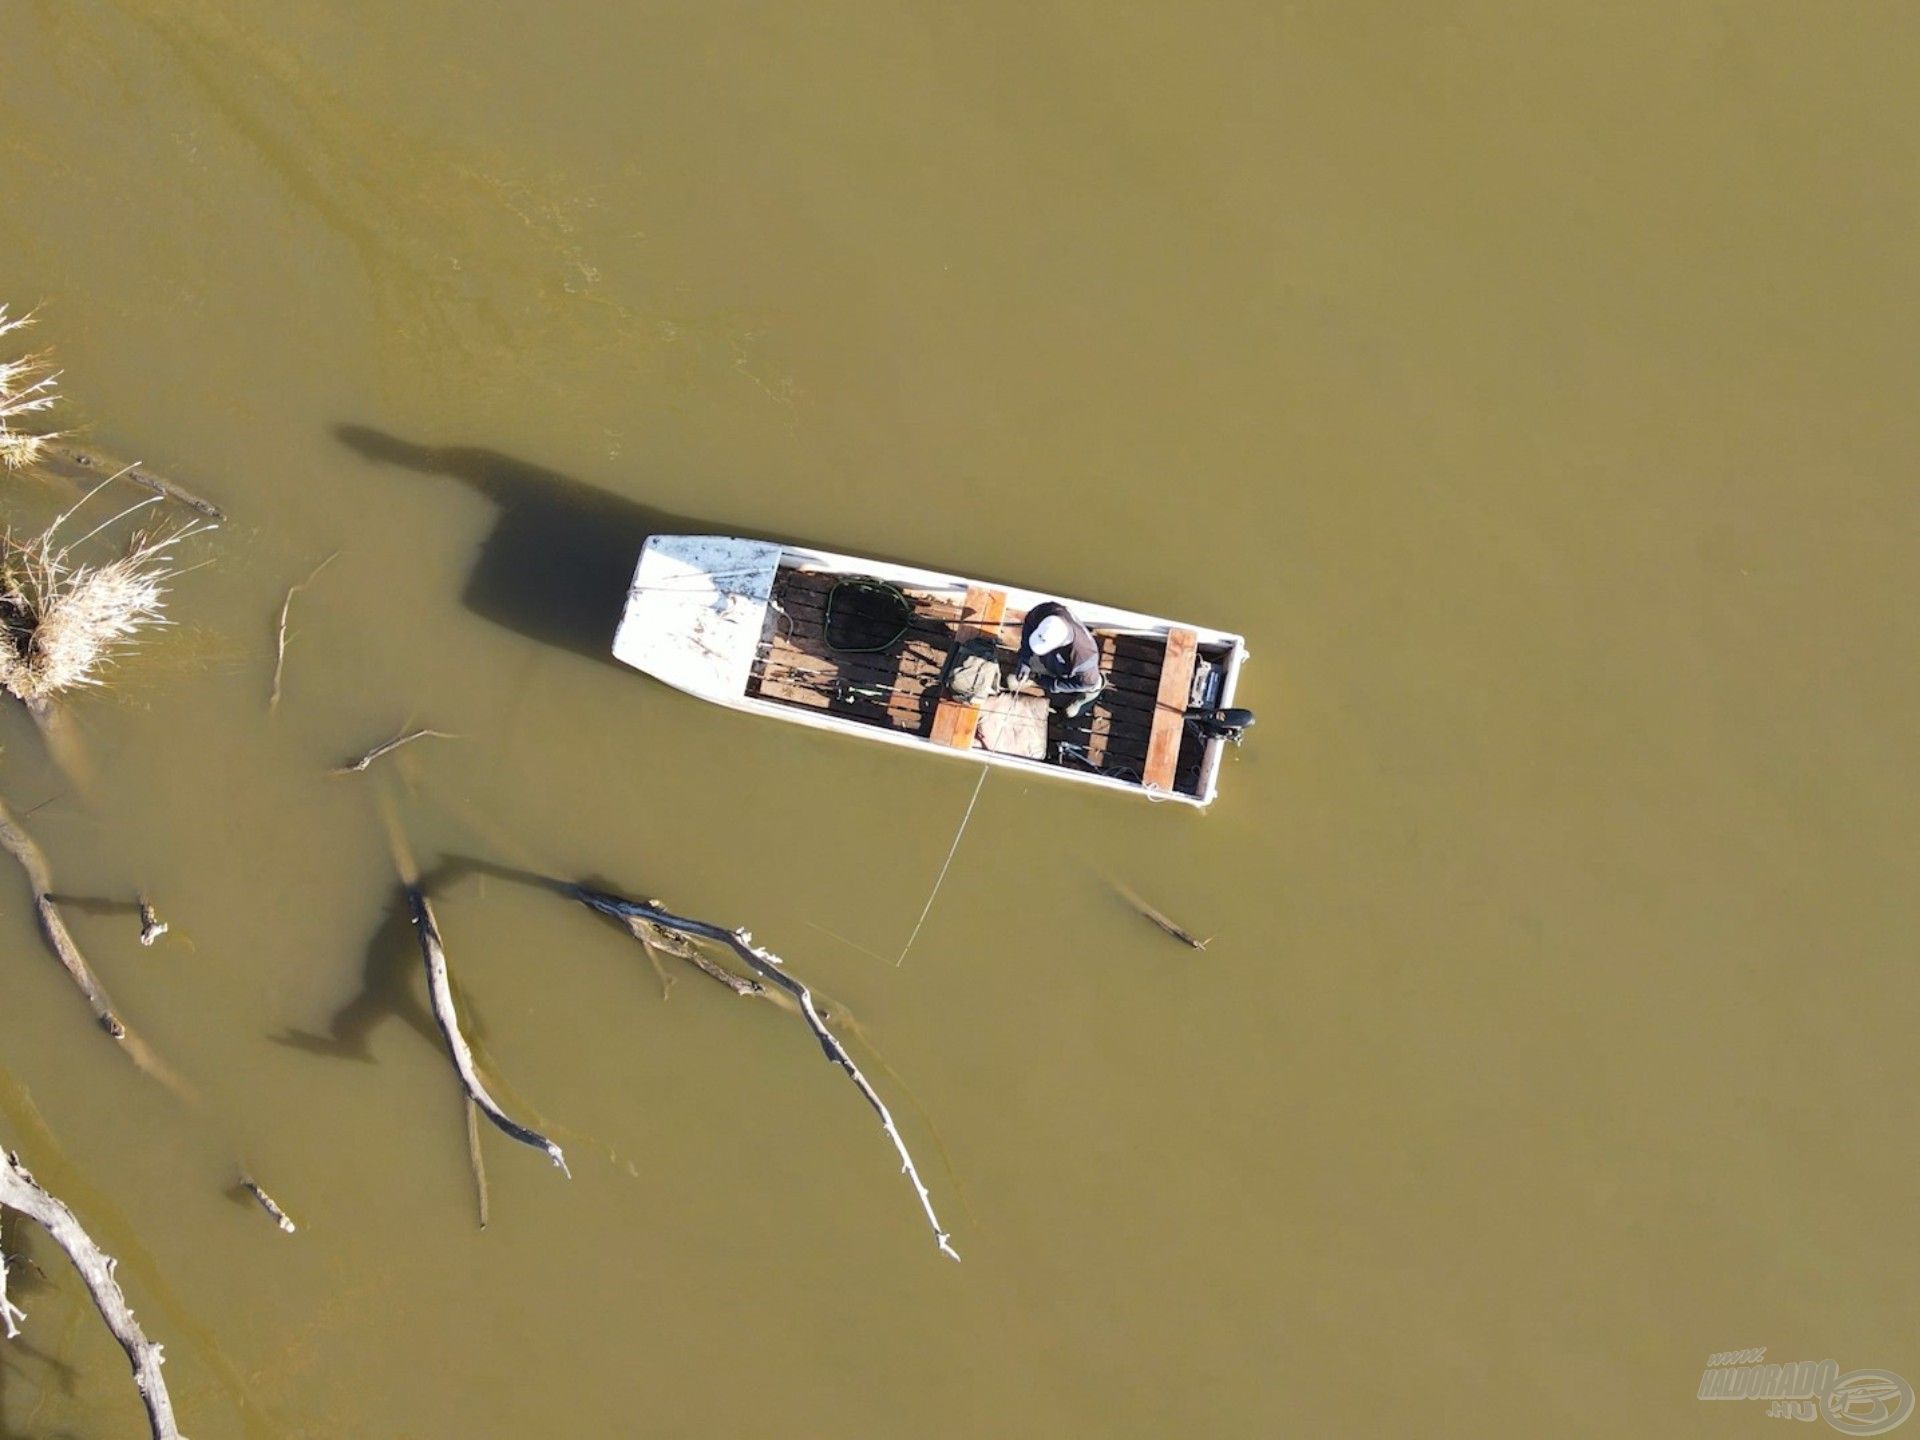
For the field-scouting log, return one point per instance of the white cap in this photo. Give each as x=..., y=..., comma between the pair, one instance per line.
x=1049, y=635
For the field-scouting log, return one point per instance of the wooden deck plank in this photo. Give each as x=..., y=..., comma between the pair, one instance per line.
x=980, y=613
x=1170, y=710
x=955, y=724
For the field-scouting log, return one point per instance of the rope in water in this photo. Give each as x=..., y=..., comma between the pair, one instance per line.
x=941, y=879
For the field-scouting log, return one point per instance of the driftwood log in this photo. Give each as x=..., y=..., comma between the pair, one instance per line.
x=20, y=1191
x=268, y=1204
x=17, y=843
x=72, y=460
x=440, y=993
x=769, y=965
x=476, y=1160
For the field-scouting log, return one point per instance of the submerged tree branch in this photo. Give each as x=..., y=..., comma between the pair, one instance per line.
x=17, y=843
x=74, y=460
x=280, y=634
x=20, y=1191
x=354, y=767
x=475, y=1159
x=657, y=940
x=440, y=992
x=1158, y=918
x=765, y=963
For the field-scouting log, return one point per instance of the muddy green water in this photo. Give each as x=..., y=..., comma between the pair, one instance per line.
x=1534, y=386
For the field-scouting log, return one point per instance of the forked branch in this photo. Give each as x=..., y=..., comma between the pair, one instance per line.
x=764, y=962
x=280, y=632
x=354, y=767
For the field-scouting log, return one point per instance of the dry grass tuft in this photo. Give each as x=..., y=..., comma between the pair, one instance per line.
x=28, y=386
x=63, y=624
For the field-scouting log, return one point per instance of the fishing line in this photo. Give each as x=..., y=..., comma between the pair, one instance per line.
x=941, y=879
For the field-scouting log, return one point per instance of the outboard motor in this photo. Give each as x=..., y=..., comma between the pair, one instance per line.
x=1228, y=725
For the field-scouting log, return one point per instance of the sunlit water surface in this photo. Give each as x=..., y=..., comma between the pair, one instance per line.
x=1532, y=386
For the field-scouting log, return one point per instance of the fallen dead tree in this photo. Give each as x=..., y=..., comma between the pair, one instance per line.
x=770, y=966
x=20, y=1191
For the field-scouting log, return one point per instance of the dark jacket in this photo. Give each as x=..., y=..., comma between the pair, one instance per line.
x=1074, y=668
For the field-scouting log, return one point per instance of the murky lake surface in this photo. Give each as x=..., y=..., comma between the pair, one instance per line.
x=1536, y=392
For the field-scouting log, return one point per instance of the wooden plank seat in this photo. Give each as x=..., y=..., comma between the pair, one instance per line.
x=1170, y=710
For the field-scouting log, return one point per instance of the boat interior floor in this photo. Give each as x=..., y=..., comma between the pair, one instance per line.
x=890, y=674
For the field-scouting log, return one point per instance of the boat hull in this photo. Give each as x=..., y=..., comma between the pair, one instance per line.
x=702, y=611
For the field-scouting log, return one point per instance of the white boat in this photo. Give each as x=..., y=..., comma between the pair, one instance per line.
x=867, y=648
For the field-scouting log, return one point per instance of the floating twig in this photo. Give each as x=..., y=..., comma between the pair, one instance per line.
x=280, y=633
x=20, y=1191
x=356, y=766
x=1148, y=912
x=440, y=992
x=769, y=965
x=268, y=1204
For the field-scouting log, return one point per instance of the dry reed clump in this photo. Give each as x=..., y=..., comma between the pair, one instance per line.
x=62, y=624
x=28, y=386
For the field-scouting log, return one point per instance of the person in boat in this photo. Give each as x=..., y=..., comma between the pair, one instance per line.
x=1060, y=655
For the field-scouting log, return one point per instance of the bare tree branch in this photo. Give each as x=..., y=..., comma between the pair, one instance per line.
x=355, y=766
x=20, y=1191
x=657, y=940
x=1158, y=918
x=771, y=966
x=16, y=842
x=280, y=641
x=440, y=992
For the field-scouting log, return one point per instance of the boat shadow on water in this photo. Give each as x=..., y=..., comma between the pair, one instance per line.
x=557, y=563
x=560, y=557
